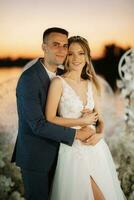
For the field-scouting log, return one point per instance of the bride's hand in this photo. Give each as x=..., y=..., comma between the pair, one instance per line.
x=94, y=139
x=86, y=111
x=89, y=118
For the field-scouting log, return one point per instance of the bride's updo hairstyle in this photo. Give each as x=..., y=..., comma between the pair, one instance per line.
x=88, y=71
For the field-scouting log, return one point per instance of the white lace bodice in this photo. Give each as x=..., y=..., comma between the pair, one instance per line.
x=70, y=105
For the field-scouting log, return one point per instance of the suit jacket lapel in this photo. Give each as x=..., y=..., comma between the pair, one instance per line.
x=42, y=75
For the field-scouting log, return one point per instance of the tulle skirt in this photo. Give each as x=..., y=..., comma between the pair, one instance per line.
x=76, y=166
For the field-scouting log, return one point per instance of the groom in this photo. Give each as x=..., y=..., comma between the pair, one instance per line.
x=37, y=143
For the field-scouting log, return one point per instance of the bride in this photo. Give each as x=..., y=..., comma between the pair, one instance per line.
x=86, y=170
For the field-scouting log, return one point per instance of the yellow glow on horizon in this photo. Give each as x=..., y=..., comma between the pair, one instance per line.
x=27, y=48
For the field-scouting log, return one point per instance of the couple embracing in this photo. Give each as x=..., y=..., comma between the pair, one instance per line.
x=60, y=146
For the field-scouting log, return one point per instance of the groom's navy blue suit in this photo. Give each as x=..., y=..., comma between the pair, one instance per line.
x=38, y=141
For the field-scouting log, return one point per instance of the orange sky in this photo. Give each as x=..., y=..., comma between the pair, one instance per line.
x=101, y=22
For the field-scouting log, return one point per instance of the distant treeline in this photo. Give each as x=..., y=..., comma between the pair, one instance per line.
x=9, y=62
x=106, y=66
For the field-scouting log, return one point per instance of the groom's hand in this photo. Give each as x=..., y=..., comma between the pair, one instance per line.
x=94, y=139
x=84, y=133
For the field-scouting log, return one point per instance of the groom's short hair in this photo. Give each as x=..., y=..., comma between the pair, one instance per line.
x=54, y=30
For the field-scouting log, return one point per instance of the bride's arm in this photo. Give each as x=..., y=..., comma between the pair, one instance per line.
x=54, y=95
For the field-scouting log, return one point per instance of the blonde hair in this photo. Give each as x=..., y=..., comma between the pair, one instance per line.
x=88, y=71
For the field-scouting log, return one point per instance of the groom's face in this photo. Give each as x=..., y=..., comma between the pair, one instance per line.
x=55, y=48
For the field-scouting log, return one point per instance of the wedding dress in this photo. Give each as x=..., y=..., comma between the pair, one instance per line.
x=78, y=163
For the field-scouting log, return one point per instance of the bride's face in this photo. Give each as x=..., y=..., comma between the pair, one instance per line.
x=76, y=57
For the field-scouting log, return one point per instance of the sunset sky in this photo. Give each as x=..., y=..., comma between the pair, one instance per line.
x=102, y=22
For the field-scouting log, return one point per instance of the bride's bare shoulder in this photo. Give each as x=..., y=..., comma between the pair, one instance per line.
x=56, y=82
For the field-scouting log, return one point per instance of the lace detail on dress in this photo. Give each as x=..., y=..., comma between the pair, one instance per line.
x=70, y=105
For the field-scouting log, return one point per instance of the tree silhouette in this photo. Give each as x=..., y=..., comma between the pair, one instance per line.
x=107, y=66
